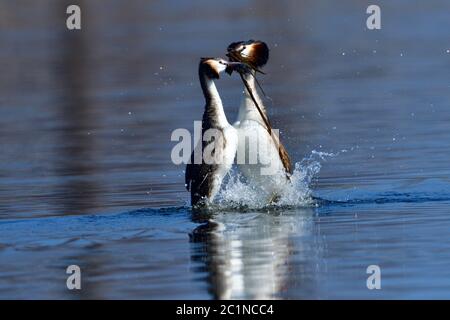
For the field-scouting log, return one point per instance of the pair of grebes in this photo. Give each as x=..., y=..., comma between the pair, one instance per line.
x=268, y=167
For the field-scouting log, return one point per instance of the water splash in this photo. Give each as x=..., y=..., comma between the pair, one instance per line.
x=238, y=194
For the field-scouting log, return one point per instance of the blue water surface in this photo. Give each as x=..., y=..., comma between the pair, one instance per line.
x=86, y=176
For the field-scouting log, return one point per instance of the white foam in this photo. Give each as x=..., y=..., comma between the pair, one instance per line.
x=236, y=193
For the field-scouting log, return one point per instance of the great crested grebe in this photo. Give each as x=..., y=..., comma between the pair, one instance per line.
x=253, y=123
x=204, y=176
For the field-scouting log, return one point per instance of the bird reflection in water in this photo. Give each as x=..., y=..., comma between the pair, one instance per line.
x=247, y=255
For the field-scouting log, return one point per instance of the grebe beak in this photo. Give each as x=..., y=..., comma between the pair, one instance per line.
x=239, y=67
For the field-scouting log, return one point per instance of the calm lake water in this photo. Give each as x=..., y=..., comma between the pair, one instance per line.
x=86, y=176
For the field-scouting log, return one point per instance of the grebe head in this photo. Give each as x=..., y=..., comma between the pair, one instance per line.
x=254, y=53
x=212, y=67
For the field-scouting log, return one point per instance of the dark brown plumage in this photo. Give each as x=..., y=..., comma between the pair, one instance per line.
x=251, y=52
x=198, y=179
x=208, y=69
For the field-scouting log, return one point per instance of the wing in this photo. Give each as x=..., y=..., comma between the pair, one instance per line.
x=284, y=156
x=199, y=177
x=188, y=176
x=199, y=181
x=196, y=175
x=282, y=152
x=191, y=172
